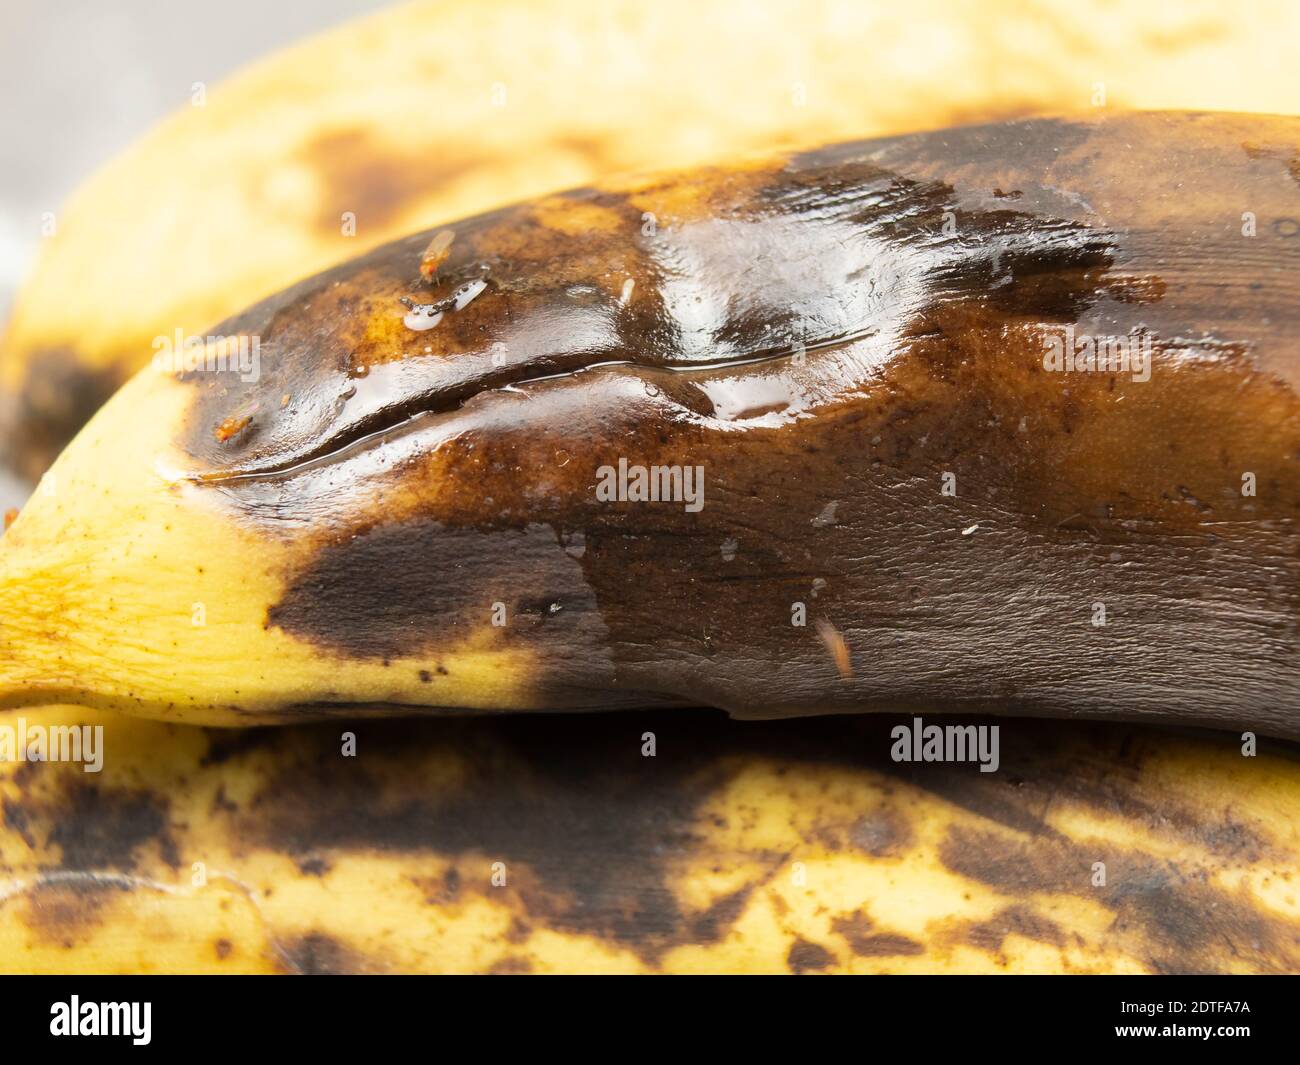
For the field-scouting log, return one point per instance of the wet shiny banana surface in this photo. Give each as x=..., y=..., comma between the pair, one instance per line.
x=1000, y=418
x=836, y=366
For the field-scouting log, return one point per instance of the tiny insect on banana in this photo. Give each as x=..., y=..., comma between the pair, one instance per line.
x=1001, y=417
x=644, y=843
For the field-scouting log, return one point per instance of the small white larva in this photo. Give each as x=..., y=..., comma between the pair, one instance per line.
x=467, y=293
x=422, y=316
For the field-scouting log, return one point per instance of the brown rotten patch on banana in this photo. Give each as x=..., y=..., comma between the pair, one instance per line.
x=1008, y=411
x=644, y=843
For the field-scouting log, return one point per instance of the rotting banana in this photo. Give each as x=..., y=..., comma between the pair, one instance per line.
x=414, y=481
x=435, y=111
x=518, y=844
x=88, y=317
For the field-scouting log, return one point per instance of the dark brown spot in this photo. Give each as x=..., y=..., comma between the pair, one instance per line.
x=1014, y=920
x=15, y=818
x=424, y=582
x=620, y=816
x=716, y=921
x=1171, y=916
x=319, y=954
x=1100, y=768
x=227, y=744
x=221, y=802
x=98, y=827
x=884, y=945
x=881, y=833
x=313, y=866
x=57, y=397
x=868, y=942
x=374, y=180
x=806, y=956
x=66, y=910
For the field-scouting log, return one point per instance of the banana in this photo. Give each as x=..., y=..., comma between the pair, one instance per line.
x=796, y=846
x=518, y=844
x=431, y=112
x=993, y=418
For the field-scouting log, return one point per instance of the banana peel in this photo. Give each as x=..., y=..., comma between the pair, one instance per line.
x=558, y=844
x=400, y=506
x=431, y=112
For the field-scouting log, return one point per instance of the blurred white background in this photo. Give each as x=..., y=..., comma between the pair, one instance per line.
x=81, y=79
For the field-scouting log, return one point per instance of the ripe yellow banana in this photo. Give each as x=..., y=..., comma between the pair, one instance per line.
x=994, y=418
x=435, y=111
x=555, y=844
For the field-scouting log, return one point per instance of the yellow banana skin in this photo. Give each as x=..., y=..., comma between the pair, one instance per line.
x=389, y=517
x=433, y=111
x=555, y=844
